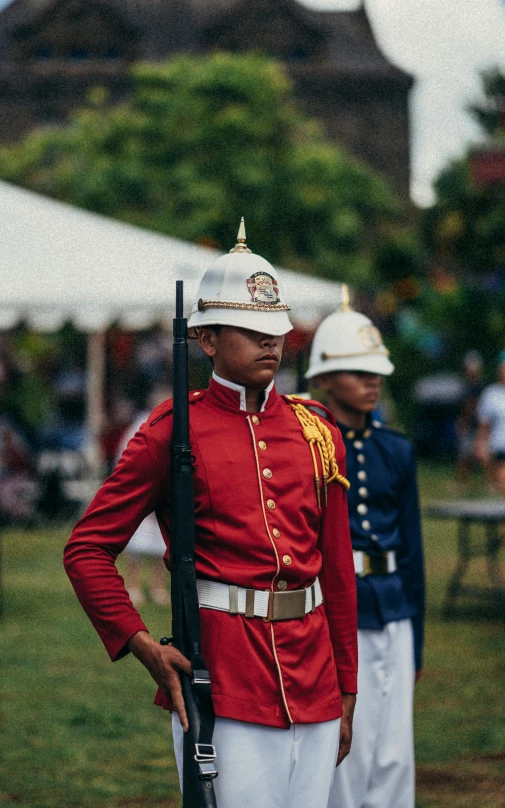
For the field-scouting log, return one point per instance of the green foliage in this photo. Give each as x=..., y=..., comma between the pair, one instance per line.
x=464, y=232
x=466, y=225
x=490, y=112
x=399, y=258
x=469, y=318
x=202, y=141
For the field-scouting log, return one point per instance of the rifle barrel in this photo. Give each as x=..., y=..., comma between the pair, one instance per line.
x=198, y=789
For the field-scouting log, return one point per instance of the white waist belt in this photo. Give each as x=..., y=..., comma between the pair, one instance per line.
x=364, y=563
x=257, y=603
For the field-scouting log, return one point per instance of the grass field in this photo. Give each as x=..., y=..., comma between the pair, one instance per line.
x=76, y=730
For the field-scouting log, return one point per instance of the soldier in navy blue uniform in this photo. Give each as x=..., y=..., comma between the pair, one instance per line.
x=348, y=360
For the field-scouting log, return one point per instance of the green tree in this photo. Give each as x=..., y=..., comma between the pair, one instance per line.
x=202, y=141
x=464, y=232
x=465, y=227
x=489, y=112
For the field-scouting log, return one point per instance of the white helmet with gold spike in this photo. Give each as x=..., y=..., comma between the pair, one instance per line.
x=347, y=340
x=241, y=289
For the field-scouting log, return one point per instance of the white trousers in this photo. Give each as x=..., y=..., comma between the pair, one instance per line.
x=264, y=767
x=379, y=771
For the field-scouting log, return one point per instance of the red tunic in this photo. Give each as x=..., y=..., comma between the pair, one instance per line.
x=253, y=530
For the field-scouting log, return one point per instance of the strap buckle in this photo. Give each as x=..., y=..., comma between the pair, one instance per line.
x=205, y=757
x=200, y=677
x=205, y=752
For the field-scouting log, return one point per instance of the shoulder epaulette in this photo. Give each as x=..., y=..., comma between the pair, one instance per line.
x=316, y=433
x=167, y=406
x=314, y=406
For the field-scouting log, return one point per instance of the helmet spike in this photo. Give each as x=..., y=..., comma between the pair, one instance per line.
x=241, y=246
x=345, y=301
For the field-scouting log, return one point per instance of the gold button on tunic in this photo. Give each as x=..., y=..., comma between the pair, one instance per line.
x=282, y=585
x=255, y=420
x=286, y=560
x=267, y=474
x=271, y=504
x=262, y=445
x=277, y=533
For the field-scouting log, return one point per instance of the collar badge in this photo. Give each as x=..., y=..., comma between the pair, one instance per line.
x=263, y=288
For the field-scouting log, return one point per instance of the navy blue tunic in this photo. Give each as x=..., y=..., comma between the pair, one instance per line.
x=384, y=515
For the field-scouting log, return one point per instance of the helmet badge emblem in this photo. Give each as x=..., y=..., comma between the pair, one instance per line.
x=263, y=288
x=370, y=337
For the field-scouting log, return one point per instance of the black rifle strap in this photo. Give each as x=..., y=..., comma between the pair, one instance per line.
x=203, y=697
x=201, y=677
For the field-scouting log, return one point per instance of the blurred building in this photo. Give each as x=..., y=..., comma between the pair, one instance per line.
x=53, y=51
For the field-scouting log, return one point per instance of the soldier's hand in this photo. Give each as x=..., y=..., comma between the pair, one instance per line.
x=348, y=705
x=163, y=663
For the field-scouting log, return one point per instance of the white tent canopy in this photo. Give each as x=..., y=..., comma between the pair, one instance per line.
x=59, y=263
x=62, y=264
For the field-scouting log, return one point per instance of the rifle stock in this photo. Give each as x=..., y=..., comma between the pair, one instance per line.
x=198, y=752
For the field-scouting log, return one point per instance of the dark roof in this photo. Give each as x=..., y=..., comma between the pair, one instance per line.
x=353, y=46
x=167, y=26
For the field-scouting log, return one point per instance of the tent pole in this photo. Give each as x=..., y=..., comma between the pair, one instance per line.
x=97, y=355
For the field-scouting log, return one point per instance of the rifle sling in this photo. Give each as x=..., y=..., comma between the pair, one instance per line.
x=200, y=682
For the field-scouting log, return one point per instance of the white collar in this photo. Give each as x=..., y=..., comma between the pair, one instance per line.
x=241, y=390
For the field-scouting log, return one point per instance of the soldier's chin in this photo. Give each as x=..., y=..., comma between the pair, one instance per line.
x=368, y=406
x=264, y=375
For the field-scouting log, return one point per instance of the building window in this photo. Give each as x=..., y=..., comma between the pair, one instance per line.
x=79, y=53
x=44, y=52
x=298, y=55
x=111, y=53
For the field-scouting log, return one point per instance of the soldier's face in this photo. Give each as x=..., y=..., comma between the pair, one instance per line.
x=355, y=390
x=242, y=356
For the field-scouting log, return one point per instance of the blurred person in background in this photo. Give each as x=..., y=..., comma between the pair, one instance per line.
x=467, y=423
x=19, y=491
x=146, y=546
x=112, y=440
x=18, y=486
x=65, y=426
x=348, y=360
x=490, y=441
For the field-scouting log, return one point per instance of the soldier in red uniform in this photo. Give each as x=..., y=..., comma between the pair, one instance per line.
x=273, y=554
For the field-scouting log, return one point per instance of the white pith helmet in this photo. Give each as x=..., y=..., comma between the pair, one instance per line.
x=241, y=289
x=347, y=340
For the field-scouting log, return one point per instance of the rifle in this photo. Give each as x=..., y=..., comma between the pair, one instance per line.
x=198, y=751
